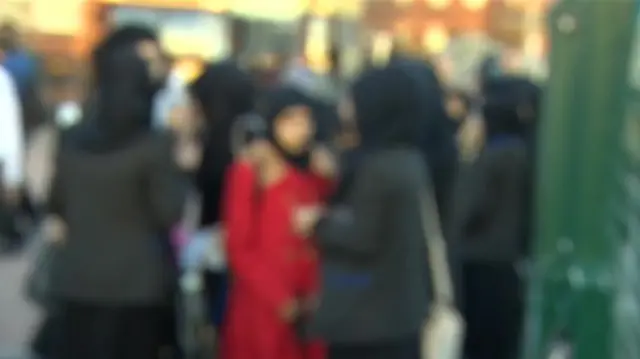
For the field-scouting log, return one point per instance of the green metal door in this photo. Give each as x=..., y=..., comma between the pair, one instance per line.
x=584, y=293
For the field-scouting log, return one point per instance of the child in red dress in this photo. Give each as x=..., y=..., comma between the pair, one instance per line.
x=274, y=269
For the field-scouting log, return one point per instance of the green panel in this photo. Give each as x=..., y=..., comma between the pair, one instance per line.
x=577, y=282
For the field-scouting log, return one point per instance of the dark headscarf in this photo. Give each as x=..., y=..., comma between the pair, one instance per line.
x=124, y=92
x=274, y=103
x=387, y=106
x=510, y=107
x=224, y=93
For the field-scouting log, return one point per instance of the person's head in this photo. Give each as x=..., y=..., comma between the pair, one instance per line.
x=290, y=124
x=9, y=38
x=507, y=106
x=387, y=107
x=125, y=73
x=223, y=92
x=141, y=46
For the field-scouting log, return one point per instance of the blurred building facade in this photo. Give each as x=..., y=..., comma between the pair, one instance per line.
x=65, y=30
x=431, y=24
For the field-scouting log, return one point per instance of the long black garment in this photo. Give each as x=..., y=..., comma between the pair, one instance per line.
x=408, y=348
x=489, y=218
x=119, y=190
x=107, y=332
x=373, y=253
x=489, y=226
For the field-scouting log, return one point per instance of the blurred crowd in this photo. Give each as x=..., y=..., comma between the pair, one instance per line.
x=310, y=216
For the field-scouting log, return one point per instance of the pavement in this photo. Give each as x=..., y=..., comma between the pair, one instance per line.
x=18, y=318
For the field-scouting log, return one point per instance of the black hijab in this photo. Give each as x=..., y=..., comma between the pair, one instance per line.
x=224, y=93
x=124, y=92
x=274, y=103
x=388, y=112
x=510, y=107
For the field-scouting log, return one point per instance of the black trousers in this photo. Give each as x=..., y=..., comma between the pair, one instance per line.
x=98, y=332
x=402, y=349
x=47, y=337
x=493, y=308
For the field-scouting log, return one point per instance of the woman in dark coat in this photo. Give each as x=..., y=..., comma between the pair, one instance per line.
x=489, y=226
x=373, y=248
x=118, y=190
x=224, y=94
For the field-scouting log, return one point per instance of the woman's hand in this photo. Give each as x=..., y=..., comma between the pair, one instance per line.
x=188, y=155
x=306, y=218
x=54, y=229
x=471, y=138
x=290, y=311
x=323, y=162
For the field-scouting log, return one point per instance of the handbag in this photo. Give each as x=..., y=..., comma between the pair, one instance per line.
x=443, y=333
x=41, y=157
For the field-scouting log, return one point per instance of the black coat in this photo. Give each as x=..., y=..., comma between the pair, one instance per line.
x=117, y=205
x=488, y=219
x=374, y=256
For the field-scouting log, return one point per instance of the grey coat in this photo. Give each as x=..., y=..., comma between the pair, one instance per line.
x=118, y=207
x=375, y=284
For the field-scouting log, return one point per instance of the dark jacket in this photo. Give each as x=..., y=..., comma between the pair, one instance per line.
x=489, y=218
x=117, y=207
x=374, y=256
x=375, y=275
x=492, y=197
x=117, y=187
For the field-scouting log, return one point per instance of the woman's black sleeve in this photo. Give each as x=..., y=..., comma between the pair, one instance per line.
x=356, y=226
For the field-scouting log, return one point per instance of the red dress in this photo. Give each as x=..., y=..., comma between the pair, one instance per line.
x=269, y=264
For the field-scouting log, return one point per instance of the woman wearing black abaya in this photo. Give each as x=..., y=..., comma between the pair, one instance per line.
x=374, y=258
x=224, y=94
x=118, y=190
x=489, y=226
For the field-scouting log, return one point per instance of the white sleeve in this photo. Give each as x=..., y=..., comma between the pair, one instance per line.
x=11, y=133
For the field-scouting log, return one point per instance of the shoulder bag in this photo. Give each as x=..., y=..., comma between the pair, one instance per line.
x=443, y=333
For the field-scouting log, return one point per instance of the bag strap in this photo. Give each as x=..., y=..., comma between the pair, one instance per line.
x=436, y=249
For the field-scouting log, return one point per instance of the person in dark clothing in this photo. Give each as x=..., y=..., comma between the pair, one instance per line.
x=373, y=248
x=224, y=94
x=438, y=142
x=118, y=189
x=489, y=225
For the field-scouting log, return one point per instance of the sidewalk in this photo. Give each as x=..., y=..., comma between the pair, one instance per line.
x=18, y=318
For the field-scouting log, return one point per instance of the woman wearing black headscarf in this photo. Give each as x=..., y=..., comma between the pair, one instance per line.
x=224, y=94
x=373, y=249
x=489, y=225
x=118, y=190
